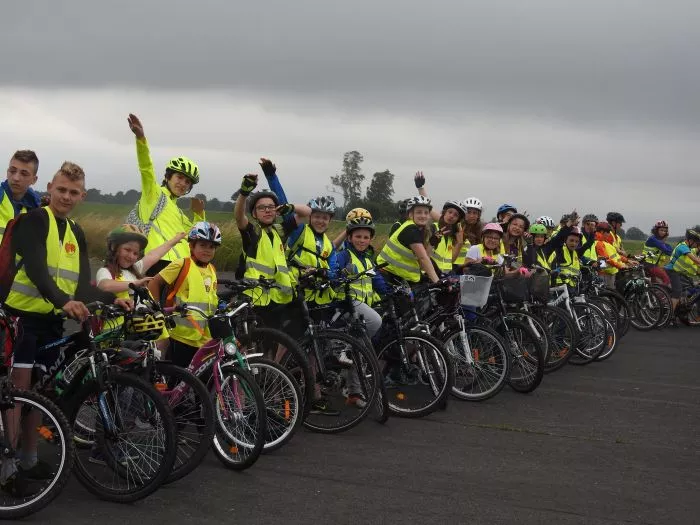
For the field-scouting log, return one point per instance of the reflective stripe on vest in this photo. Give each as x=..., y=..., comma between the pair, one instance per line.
x=361, y=289
x=7, y=212
x=306, y=254
x=269, y=262
x=402, y=261
x=462, y=257
x=193, y=329
x=682, y=264
x=169, y=222
x=542, y=260
x=570, y=267
x=610, y=255
x=442, y=255
x=617, y=240
x=63, y=262
x=653, y=255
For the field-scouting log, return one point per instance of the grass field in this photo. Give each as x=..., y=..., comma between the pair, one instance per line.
x=98, y=219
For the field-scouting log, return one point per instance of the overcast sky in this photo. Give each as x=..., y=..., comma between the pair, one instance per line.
x=548, y=105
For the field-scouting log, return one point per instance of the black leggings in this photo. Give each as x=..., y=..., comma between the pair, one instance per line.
x=181, y=354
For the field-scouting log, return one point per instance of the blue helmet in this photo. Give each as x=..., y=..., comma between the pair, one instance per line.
x=205, y=231
x=506, y=207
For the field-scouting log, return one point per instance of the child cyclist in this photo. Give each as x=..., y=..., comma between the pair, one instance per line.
x=192, y=280
x=657, y=253
x=683, y=265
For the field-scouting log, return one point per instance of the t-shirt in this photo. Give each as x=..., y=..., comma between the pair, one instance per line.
x=411, y=235
x=170, y=273
x=104, y=275
x=474, y=253
x=680, y=251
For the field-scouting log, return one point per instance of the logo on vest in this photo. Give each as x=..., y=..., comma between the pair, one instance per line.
x=70, y=248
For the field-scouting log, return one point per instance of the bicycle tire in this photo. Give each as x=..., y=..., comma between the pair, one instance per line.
x=562, y=336
x=623, y=310
x=192, y=446
x=227, y=443
x=482, y=362
x=282, y=398
x=664, y=296
x=369, y=371
x=646, y=308
x=294, y=359
x=442, y=367
x=517, y=335
x=591, y=343
x=610, y=342
x=60, y=428
x=158, y=411
x=536, y=325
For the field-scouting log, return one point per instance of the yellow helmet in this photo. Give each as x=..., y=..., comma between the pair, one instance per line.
x=148, y=325
x=356, y=213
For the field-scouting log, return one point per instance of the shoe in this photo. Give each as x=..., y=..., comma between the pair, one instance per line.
x=343, y=359
x=356, y=400
x=39, y=472
x=321, y=406
x=16, y=485
x=97, y=457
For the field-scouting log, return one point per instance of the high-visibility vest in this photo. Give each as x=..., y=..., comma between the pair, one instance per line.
x=590, y=253
x=617, y=240
x=63, y=262
x=442, y=254
x=193, y=329
x=541, y=259
x=401, y=260
x=462, y=257
x=361, y=289
x=7, y=212
x=169, y=222
x=682, y=264
x=519, y=255
x=483, y=252
x=305, y=252
x=653, y=255
x=611, y=255
x=569, y=267
x=269, y=262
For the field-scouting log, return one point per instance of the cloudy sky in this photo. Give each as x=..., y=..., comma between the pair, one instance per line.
x=547, y=104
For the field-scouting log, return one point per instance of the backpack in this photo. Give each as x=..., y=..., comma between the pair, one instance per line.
x=135, y=219
x=8, y=266
x=177, y=284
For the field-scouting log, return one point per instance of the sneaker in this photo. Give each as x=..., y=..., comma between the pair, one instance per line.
x=321, y=406
x=39, y=472
x=97, y=457
x=343, y=359
x=356, y=400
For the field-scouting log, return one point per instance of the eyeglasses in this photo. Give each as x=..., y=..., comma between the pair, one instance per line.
x=269, y=207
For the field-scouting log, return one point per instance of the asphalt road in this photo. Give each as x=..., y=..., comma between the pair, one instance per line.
x=613, y=442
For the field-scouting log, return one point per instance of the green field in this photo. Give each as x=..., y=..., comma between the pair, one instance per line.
x=98, y=219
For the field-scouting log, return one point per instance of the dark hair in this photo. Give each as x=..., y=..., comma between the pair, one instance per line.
x=472, y=232
x=27, y=155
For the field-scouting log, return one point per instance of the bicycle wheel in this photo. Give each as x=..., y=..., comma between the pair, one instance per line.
x=527, y=354
x=610, y=342
x=537, y=327
x=623, y=310
x=283, y=404
x=664, y=296
x=278, y=346
x=646, y=309
x=193, y=410
x=134, y=440
x=590, y=323
x=358, y=379
x=562, y=336
x=481, y=360
x=418, y=374
x=21, y=492
x=380, y=408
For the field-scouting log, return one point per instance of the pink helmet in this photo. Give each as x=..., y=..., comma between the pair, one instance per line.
x=493, y=227
x=576, y=231
x=661, y=224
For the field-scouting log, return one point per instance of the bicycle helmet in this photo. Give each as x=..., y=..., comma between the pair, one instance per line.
x=614, y=216
x=547, y=221
x=456, y=205
x=205, y=231
x=418, y=201
x=356, y=213
x=660, y=224
x=492, y=227
x=473, y=202
x=692, y=235
x=147, y=324
x=127, y=233
x=590, y=217
x=323, y=204
x=254, y=197
x=521, y=217
x=186, y=167
x=361, y=223
x=603, y=227
x=504, y=208
x=576, y=231
x=538, y=229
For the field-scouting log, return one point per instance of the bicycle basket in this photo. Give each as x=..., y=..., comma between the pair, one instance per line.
x=474, y=290
x=515, y=290
x=220, y=327
x=538, y=286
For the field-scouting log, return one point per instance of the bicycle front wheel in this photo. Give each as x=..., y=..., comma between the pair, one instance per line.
x=591, y=328
x=527, y=352
x=21, y=495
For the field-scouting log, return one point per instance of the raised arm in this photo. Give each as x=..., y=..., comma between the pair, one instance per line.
x=270, y=171
x=419, y=180
x=150, y=190
x=424, y=261
x=156, y=254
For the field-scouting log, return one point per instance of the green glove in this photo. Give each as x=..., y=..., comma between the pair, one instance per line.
x=248, y=184
x=285, y=209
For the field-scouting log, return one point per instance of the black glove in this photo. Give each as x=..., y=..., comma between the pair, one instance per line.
x=269, y=169
x=419, y=180
x=285, y=209
x=248, y=184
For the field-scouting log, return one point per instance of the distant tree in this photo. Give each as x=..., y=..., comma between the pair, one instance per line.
x=635, y=234
x=349, y=181
x=214, y=204
x=132, y=196
x=119, y=198
x=227, y=206
x=201, y=196
x=381, y=189
x=93, y=195
x=622, y=233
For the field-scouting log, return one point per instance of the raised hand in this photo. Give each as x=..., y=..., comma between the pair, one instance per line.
x=285, y=209
x=419, y=179
x=249, y=183
x=135, y=126
x=197, y=206
x=269, y=169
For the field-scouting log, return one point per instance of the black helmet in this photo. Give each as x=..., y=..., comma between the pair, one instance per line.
x=692, y=235
x=253, y=198
x=590, y=217
x=614, y=216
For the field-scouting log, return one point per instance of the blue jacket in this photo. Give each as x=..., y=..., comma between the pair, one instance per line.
x=343, y=259
x=30, y=200
x=655, y=242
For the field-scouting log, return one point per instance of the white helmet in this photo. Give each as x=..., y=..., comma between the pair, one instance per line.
x=547, y=221
x=457, y=205
x=323, y=204
x=418, y=201
x=473, y=202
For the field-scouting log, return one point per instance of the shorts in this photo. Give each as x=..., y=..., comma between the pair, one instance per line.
x=35, y=332
x=678, y=282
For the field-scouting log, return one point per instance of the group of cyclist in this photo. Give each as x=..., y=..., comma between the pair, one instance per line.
x=160, y=247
